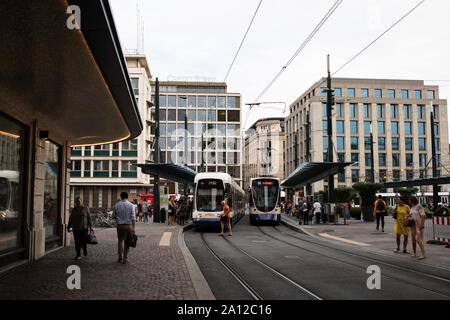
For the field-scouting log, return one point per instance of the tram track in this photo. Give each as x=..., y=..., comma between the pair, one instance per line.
x=357, y=256
x=253, y=292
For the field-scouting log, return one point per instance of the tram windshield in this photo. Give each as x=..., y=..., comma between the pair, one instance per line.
x=209, y=195
x=265, y=194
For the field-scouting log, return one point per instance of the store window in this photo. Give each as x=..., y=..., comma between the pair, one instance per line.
x=12, y=139
x=51, y=187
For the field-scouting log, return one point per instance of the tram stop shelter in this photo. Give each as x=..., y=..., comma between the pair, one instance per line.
x=169, y=171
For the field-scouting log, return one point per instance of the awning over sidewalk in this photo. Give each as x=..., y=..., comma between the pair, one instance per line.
x=170, y=171
x=418, y=182
x=309, y=172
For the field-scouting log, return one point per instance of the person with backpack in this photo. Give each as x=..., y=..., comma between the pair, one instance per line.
x=379, y=212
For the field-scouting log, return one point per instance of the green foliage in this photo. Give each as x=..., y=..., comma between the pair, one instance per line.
x=442, y=212
x=367, y=191
x=428, y=213
x=343, y=195
x=322, y=195
x=355, y=212
x=407, y=192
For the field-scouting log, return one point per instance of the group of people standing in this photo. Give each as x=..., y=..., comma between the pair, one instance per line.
x=143, y=210
x=303, y=210
x=179, y=210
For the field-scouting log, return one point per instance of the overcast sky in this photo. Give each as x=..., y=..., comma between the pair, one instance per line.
x=200, y=38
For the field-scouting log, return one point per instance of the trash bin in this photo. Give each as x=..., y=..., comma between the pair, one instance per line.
x=156, y=217
x=163, y=215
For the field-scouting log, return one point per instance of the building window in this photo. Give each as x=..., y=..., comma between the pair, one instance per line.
x=325, y=157
x=381, y=143
x=172, y=101
x=340, y=143
x=324, y=105
x=12, y=142
x=422, y=144
x=181, y=114
x=383, y=175
x=421, y=127
x=430, y=94
x=367, y=127
x=351, y=92
x=408, y=128
x=87, y=168
x=380, y=112
x=182, y=101
x=341, y=157
x=339, y=126
x=231, y=102
x=354, y=127
x=420, y=112
x=324, y=126
x=382, y=159
x=51, y=188
x=391, y=93
x=337, y=92
x=201, y=101
x=221, y=102
x=364, y=93
x=436, y=128
x=366, y=110
x=192, y=115
x=404, y=94
x=394, y=127
x=323, y=92
x=355, y=175
x=128, y=169
x=339, y=112
x=171, y=115
x=417, y=94
x=396, y=159
x=408, y=143
x=422, y=160
x=367, y=143
x=407, y=111
x=135, y=85
x=162, y=101
x=396, y=175
x=381, y=129
x=192, y=101
x=377, y=93
x=436, y=144
x=353, y=110
x=395, y=144
x=341, y=177
x=368, y=159
x=211, y=102
x=355, y=157
x=354, y=143
x=233, y=115
x=409, y=159
x=435, y=112
x=325, y=143
x=394, y=111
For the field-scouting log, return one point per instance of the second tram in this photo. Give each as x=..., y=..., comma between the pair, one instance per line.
x=264, y=200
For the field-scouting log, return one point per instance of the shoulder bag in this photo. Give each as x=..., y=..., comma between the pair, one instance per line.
x=131, y=239
x=92, y=239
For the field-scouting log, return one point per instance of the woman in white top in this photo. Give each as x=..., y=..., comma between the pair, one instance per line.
x=317, y=207
x=417, y=230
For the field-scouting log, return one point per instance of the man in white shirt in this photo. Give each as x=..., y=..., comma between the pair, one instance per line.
x=125, y=214
x=317, y=209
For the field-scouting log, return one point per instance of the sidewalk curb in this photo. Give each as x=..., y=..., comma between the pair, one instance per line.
x=202, y=289
x=291, y=226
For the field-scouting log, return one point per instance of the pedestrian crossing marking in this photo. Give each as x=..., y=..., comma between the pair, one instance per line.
x=165, y=239
x=326, y=235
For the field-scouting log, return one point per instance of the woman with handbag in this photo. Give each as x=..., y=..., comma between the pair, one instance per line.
x=401, y=211
x=417, y=214
x=79, y=222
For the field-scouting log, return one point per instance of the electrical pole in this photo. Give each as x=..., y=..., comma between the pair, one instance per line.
x=434, y=163
x=330, y=103
x=372, y=169
x=185, y=149
x=156, y=192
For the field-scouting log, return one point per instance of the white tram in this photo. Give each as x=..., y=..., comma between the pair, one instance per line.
x=210, y=189
x=264, y=200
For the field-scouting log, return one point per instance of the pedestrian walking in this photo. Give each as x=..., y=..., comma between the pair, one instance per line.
x=401, y=210
x=144, y=206
x=418, y=228
x=171, y=212
x=125, y=214
x=140, y=212
x=225, y=218
x=79, y=222
x=379, y=212
x=305, y=212
x=317, y=209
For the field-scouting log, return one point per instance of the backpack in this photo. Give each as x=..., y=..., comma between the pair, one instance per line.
x=380, y=205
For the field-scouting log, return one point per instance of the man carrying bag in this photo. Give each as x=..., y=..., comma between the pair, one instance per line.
x=125, y=214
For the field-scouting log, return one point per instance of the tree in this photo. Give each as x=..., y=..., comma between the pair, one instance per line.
x=344, y=195
x=367, y=191
x=407, y=192
x=322, y=195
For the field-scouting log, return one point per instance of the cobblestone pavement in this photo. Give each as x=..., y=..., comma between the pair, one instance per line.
x=154, y=272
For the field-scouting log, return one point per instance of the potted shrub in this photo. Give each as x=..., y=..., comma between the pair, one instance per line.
x=355, y=213
x=367, y=191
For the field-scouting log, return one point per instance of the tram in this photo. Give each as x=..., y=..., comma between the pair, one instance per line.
x=264, y=200
x=210, y=188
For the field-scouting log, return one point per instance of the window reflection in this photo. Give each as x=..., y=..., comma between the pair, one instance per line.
x=51, y=185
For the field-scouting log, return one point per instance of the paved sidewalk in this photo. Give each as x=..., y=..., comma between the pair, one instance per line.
x=364, y=236
x=157, y=270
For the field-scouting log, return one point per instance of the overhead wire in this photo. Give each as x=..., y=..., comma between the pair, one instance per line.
x=242, y=42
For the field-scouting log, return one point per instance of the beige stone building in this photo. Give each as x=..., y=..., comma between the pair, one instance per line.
x=100, y=173
x=264, y=150
x=397, y=112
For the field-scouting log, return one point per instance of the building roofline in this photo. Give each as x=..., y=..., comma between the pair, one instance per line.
x=142, y=60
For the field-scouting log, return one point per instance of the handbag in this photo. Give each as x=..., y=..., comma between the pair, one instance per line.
x=92, y=239
x=408, y=222
x=131, y=239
